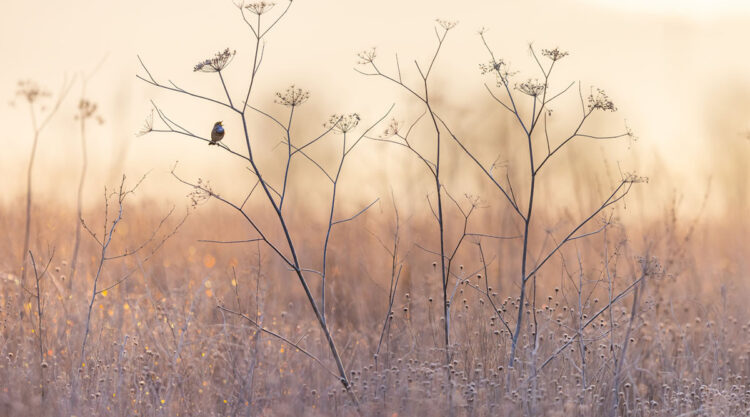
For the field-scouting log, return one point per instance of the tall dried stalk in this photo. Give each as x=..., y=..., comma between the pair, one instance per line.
x=274, y=197
x=109, y=226
x=33, y=94
x=531, y=127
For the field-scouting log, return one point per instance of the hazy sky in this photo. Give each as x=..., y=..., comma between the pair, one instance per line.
x=678, y=70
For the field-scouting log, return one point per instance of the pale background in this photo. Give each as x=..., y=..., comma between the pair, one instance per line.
x=678, y=71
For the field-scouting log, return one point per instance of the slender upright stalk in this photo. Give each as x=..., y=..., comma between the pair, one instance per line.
x=29, y=172
x=524, y=255
x=330, y=227
x=32, y=93
x=79, y=202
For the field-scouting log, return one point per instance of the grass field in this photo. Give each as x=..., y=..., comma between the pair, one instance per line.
x=159, y=344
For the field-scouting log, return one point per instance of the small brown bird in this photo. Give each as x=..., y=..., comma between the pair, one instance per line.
x=217, y=134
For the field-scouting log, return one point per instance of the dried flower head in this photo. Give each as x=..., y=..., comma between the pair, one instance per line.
x=393, y=129
x=217, y=63
x=447, y=24
x=342, y=123
x=201, y=193
x=86, y=110
x=554, y=54
x=293, y=96
x=501, y=70
x=629, y=132
x=260, y=7
x=492, y=66
x=651, y=266
x=31, y=91
x=601, y=101
x=634, y=179
x=148, y=125
x=531, y=87
x=367, y=57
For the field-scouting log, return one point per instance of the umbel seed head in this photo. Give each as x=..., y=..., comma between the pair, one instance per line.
x=217, y=63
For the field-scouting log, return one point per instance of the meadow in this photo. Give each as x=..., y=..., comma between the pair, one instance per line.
x=160, y=344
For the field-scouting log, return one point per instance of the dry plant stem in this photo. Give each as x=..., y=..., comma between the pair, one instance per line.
x=104, y=243
x=40, y=316
x=280, y=337
x=37, y=130
x=591, y=319
x=181, y=342
x=486, y=291
x=331, y=222
x=330, y=226
x=256, y=337
x=79, y=198
x=83, y=115
x=538, y=111
x=295, y=264
x=292, y=259
x=621, y=359
x=538, y=114
x=30, y=170
x=393, y=286
x=581, y=341
x=79, y=204
x=533, y=171
x=434, y=167
x=610, y=289
x=120, y=357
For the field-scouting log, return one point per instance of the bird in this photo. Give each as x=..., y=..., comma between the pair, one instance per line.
x=217, y=134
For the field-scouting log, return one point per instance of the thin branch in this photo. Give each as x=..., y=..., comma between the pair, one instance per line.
x=175, y=88
x=280, y=337
x=357, y=214
x=230, y=241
